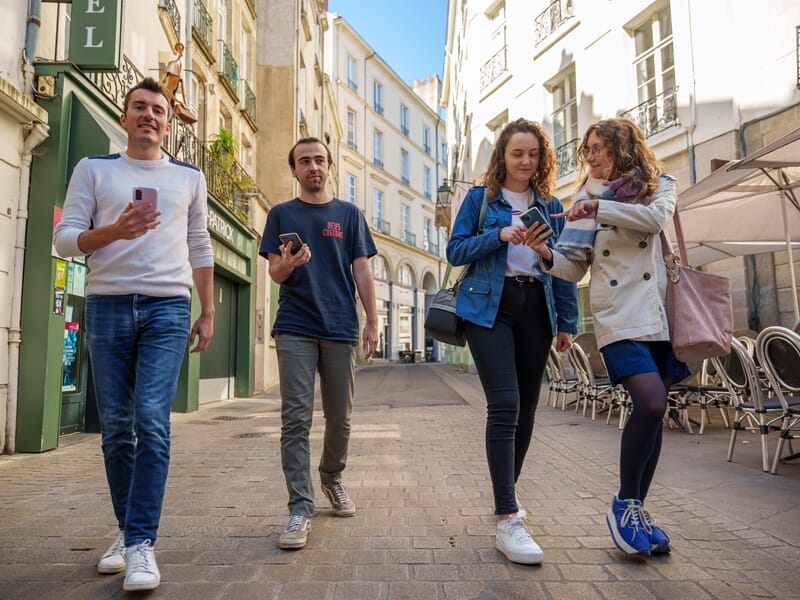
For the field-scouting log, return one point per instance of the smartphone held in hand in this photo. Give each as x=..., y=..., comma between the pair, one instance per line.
x=145, y=195
x=532, y=216
x=293, y=237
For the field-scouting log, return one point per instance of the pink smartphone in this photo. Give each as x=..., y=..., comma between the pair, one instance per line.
x=146, y=195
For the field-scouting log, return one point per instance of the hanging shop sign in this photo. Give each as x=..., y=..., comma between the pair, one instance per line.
x=95, y=35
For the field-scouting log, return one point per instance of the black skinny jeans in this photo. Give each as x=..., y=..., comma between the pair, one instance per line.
x=510, y=359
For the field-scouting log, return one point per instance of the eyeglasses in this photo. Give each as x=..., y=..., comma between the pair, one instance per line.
x=596, y=149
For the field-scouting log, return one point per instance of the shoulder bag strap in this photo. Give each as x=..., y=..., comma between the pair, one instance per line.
x=481, y=219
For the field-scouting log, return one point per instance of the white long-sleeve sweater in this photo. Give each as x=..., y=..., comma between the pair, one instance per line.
x=160, y=262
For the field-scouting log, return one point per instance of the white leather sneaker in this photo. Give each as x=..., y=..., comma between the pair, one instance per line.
x=142, y=571
x=113, y=561
x=515, y=541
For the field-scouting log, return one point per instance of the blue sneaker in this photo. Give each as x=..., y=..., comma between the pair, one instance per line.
x=659, y=539
x=628, y=529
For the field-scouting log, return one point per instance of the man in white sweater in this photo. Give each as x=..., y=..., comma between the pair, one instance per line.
x=145, y=251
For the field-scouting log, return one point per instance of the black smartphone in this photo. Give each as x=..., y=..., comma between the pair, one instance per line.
x=532, y=216
x=297, y=243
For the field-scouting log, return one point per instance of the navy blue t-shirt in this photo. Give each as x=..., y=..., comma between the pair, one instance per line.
x=318, y=298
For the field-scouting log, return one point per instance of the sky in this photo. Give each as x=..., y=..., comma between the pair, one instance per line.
x=408, y=34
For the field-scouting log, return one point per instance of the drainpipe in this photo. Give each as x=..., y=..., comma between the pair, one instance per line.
x=38, y=133
x=187, y=54
x=34, y=21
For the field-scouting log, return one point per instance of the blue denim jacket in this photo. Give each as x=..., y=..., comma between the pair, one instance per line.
x=478, y=296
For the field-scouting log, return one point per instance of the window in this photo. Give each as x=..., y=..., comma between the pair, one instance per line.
x=565, y=124
x=352, y=81
x=427, y=237
x=496, y=125
x=444, y=153
x=404, y=119
x=655, y=73
x=379, y=269
x=377, y=148
x=377, y=97
x=404, y=166
x=350, y=191
x=426, y=139
x=377, y=204
x=351, y=129
x=405, y=276
x=405, y=221
x=426, y=182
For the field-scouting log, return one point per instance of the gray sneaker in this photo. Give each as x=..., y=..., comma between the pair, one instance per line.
x=113, y=561
x=296, y=533
x=342, y=505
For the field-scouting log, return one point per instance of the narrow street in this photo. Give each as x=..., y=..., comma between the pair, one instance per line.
x=424, y=526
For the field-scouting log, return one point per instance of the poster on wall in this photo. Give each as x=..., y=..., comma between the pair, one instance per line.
x=61, y=273
x=58, y=301
x=69, y=380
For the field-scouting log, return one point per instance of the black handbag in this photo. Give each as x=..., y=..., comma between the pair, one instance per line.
x=441, y=322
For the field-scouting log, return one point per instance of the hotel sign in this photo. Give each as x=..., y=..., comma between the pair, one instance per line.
x=95, y=34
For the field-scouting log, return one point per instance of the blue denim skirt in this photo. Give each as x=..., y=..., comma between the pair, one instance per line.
x=629, y=357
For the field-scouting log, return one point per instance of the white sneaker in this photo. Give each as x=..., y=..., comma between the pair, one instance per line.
x=113, y=561
x=515, y=541
x=142, y=571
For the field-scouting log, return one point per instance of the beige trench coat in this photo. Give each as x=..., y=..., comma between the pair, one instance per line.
x=628, y=278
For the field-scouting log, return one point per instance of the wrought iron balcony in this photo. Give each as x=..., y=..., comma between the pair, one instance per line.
x=378, y=108
x=248, y=106
x=549, y=19
x=657, y=113
x=432, y=247
x=227, y=180
x=377, y=162
x=229, y=75
x=174, y=14
x=352, y=145
x=405, y=179
x=382, y=225
x=408, y=237
x=404, y=130
x=567, y=157
x=202, y=26
x=493, y=68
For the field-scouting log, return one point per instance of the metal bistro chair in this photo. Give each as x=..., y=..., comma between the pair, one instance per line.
x=562, y=382
x=705, y=391
x=593, y=389
x=753, y=411
x=778, y=350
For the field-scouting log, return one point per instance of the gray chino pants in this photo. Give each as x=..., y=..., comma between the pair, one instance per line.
x=299, y=359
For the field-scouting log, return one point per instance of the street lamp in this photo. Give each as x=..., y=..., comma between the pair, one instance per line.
x=444, y=192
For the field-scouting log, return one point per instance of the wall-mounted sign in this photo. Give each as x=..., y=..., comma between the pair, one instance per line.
x=95, y=34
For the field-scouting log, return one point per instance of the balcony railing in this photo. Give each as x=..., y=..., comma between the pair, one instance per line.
x=203, y=26
x=493, y=68
x=432, y=247
x=567, y=157
x=174, y=15
x=549, y=20
x=405, y=179
x=408, y=237
x=352, y=145
x=382, y=225
x=377, y=162
x=404, y=130
x=378, y=108
x=657, y=113
x=227, y=180
x=352, y=85
x=248, y=106
x=230, y=70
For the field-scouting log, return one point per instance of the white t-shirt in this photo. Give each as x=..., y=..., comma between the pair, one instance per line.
x=522, y=259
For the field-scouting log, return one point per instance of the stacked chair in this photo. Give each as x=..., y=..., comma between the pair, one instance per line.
x=778, y=353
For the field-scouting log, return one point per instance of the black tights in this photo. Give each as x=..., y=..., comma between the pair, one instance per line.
x=640, y=445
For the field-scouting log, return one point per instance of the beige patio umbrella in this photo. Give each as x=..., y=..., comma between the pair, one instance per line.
x=747, y=206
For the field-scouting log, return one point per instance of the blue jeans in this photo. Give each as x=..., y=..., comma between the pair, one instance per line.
x=136, y=346
x=299, y=359
x=510, y=359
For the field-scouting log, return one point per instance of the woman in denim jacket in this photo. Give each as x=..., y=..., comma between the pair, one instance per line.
x=512, y=311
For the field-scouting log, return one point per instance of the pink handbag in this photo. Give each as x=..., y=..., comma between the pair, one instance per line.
x=699, y=305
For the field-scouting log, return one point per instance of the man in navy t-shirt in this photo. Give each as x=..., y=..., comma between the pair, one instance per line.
x=316, y=328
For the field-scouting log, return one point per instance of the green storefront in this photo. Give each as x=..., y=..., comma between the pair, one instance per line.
x=55, y=396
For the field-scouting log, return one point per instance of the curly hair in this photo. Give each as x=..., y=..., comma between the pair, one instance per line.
x=628, y=152
x=543, y=179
